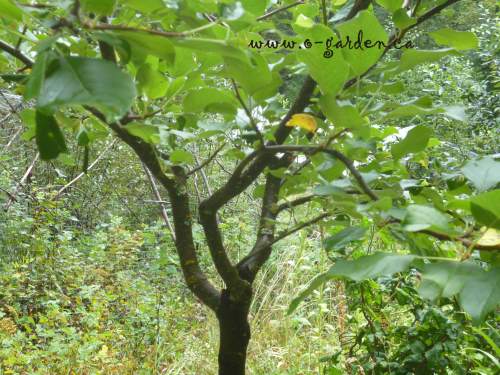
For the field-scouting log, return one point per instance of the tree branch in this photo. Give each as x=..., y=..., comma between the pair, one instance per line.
x=194, y=276
x=357, y=7
x=467, y=242
x=248, y=113
x=311, y=150
x=69, y=184
x=176, y=187
x=206, y=162
x=16, y=53
x=296, y=202
x=295, y=229
x=157, y=195
x=165, y=34
x=397, y=37
x=21, y=182
x=249, y=266
x=431, y=13
x=278, y=10
x=366, y=189
x=107, y=51
x=243, y=176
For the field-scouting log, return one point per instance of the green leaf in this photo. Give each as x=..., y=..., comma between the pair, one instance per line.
x=37, y=76
x=410, y=110
x=477, y=289
x=341, y=239
x=366, y=267
x=326, y=189
x=418, y=218
x=304, y=21
x=365, y=26
x=415, y=141
x=176, y=86
x=210, y=100
x=29, y=119
x=420, y=107
x=143, y=44
x=252, y=76
x=121, y=46
x=460, y=40
x=414, y=57
x=15, y=78
x=371, y=266
x=49, y=138
x=9, y=10
x=145, y=6
x=148, y=133
x=184, y=63
x=483, y=173
x=256, y=7
x=486, y=208
x=84, y=81
x=224, y=48
x=100, y=7
x=318, y=65
x=82, y=137
x=372, y=87
x=488, y=339
x=151, y=82
x=341, y=113
x=456, y=112
x=86, y=157
x=181, y=157
x=402, y=20
x=391, y=5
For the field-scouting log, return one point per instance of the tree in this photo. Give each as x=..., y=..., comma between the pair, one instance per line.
x=215, y=77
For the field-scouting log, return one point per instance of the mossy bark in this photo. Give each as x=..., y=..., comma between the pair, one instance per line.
x=234, y=335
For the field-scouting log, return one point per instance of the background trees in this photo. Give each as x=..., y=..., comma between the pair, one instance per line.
x=205, y=117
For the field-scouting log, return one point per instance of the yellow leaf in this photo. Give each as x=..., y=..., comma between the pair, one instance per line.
x=490, y=238
x=104, y=351
x=304, y=121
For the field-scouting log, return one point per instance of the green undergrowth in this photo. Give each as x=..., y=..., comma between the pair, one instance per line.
x=112, y=301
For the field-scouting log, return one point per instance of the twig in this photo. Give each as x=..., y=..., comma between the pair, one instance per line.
x=366, y=189
x=13, y=138
x=165, y=34
x=325, y=12
x=156, y=192
x=206, y=162
x=397, y=37
x=196, y=189
x=20, y=40
x=11, y=196
x=22, y=181
x=291, y=231
x=277, y=10
x=132, y=117
x=295, y=203
x=248, y=113
x=154, y=201
x=69, y=184
x=16, y=53
x=37, y=6
x=337, y=154
x=12, y=108
x=336, y=136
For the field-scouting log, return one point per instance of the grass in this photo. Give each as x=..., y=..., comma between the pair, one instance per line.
x=113, y=303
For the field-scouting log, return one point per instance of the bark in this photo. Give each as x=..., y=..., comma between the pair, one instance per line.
x=234, y=335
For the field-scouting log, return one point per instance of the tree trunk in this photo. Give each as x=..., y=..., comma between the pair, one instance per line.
x=234, y=335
